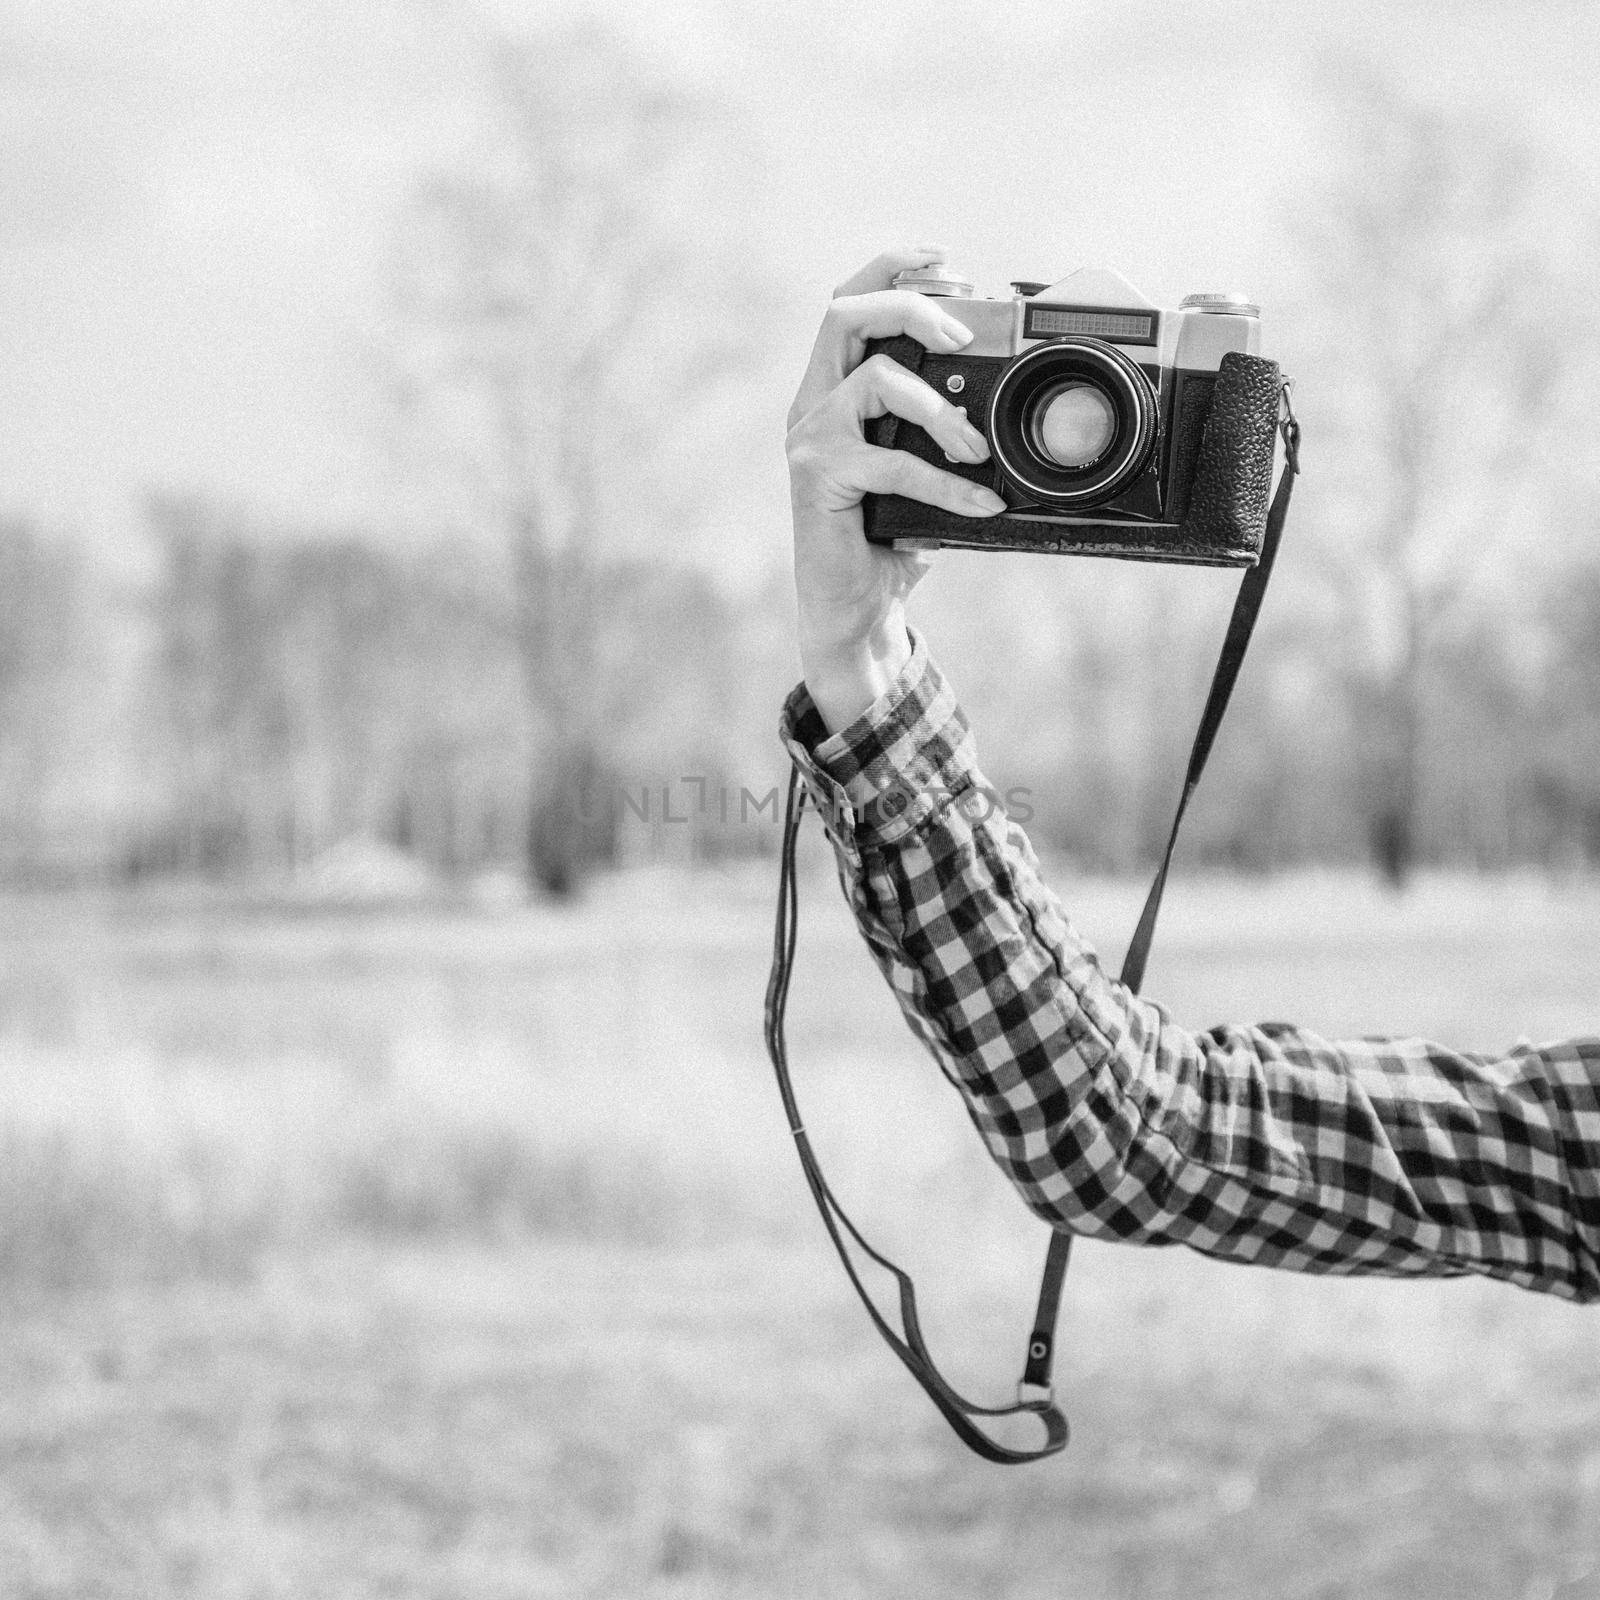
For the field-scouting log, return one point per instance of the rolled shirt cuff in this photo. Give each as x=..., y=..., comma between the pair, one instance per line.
x=899, y=764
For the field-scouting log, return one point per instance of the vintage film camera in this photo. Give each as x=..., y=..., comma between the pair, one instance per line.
x=1115, y=428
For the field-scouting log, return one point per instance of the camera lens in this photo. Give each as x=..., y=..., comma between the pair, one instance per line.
x=1073, y=424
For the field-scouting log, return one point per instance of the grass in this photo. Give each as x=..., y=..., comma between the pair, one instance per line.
x=455, y=1255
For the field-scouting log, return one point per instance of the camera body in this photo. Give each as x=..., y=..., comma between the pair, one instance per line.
x=1115, y=427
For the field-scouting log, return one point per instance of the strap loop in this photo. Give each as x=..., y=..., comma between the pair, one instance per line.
x=906, y=1341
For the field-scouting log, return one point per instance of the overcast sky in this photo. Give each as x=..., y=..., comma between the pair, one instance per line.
x=195, y=195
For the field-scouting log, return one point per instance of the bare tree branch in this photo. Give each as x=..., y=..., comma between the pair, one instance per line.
x=557, y=331
x=1453, y=356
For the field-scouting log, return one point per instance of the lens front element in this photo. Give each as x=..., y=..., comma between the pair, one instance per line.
x=1073, y=425
x=1072, y=422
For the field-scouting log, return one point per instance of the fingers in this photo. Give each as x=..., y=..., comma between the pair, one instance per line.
x=879, y=314
x=849, y=324
x=881, y=385
x=833, y=466
x=879, y=272
x=878, y=471
x=886, y=312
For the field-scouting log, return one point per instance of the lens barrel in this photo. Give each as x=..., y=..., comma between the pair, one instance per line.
x=1072, y=423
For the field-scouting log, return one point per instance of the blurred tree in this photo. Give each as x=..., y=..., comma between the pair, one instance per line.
x=316, y=686
x=562, y=324
x=1448, y=338
x=1566, y=778
x=48, y=621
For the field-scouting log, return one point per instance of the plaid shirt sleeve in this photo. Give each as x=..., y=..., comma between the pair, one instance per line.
x=1263, y=1144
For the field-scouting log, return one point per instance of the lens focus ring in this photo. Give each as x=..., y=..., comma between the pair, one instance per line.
x=1072, y=423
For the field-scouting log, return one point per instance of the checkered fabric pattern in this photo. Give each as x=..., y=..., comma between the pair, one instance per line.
x=1263, y=1144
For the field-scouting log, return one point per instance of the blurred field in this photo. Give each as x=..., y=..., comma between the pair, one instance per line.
x=455, y=1253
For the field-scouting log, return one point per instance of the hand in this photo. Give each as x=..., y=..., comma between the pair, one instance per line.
x=851, y=593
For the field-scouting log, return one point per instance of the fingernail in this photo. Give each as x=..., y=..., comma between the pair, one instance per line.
x=958, y=333
x=975, y=441
x=986, y=501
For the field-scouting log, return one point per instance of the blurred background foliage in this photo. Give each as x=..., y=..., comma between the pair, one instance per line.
x=571, y=592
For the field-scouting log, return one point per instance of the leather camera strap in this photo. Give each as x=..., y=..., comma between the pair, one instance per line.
x=1035, y=1393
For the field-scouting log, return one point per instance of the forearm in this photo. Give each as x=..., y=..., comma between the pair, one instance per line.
x=1259, y=1144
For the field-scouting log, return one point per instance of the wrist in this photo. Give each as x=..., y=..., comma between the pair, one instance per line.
x=845, y=676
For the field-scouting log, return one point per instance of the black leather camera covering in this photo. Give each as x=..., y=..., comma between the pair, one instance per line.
x=1218, y=483
x=1233, y=477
